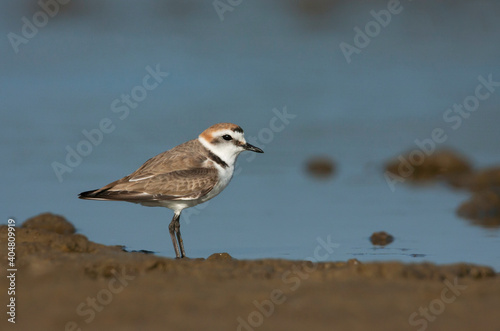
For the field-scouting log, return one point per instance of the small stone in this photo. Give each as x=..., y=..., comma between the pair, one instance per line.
x=353, y=262
x=381, y=238
x=220, y=256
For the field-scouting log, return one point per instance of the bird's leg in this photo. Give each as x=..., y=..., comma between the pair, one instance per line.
x=172, y=230
x=179, y=238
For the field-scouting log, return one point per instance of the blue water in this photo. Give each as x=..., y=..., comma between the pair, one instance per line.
x=264, y=58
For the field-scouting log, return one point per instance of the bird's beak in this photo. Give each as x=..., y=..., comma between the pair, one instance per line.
x=252, y=148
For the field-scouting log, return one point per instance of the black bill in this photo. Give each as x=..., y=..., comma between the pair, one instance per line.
x=252, y=148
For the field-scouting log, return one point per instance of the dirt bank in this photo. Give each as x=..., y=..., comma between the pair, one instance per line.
x=66, y=282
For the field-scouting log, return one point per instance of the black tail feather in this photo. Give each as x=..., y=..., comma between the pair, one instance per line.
x=88, y=194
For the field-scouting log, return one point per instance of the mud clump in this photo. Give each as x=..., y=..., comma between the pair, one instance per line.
x=485, y=179
x=420, y=168
x=381, y=238
x=49, y=222
x=320, y=167
x=483, y=208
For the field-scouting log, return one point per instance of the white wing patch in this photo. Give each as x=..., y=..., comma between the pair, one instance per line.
x=140, y=178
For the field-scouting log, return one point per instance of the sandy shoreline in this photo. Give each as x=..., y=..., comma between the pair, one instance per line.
x=66, y=282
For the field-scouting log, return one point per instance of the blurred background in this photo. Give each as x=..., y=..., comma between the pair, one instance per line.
x=90, y=90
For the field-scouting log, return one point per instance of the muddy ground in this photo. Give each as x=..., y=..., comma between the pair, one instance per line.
x=66, y=282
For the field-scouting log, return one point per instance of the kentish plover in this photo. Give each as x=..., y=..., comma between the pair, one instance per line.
x=183, y=177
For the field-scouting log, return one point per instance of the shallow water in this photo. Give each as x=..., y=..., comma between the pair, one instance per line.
x=262, y=60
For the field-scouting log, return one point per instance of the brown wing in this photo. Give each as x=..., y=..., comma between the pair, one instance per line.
x=189, y=155
x=175, y=185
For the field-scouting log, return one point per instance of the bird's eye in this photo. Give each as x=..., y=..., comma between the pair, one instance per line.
x=227, y=137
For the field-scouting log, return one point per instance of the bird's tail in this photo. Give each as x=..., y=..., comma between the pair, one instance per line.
x=90, y=195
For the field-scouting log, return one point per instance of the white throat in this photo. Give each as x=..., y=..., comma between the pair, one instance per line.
x=228, y=155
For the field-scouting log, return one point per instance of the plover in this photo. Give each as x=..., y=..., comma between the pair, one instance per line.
x=183, y=177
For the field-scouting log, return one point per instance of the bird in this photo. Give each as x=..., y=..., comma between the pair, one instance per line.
x=182, y=177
